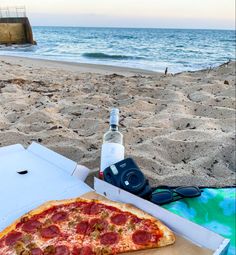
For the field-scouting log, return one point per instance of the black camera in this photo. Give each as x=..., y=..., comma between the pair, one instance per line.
x=127, y=175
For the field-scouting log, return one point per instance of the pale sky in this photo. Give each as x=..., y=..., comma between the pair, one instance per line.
x=130, y=13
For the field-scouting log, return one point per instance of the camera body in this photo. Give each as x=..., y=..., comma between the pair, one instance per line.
x=127, y=175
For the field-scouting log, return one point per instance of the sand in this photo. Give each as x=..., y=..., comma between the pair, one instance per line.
x=179, y=128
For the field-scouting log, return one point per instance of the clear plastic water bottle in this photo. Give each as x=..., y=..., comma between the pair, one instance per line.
x=112, y=148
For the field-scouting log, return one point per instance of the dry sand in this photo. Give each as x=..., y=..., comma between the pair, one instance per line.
x=180, y=128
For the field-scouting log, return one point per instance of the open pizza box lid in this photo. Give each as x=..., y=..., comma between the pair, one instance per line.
x=32, y=176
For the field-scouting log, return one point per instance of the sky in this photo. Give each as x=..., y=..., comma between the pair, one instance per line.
x=216, y=14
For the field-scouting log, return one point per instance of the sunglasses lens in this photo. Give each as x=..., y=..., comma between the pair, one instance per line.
x=188, y=191
x=163, y=197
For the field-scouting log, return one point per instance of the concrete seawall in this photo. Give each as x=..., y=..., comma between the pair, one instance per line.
x=15, y=31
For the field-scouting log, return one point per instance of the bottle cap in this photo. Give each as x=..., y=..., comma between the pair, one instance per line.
x=114, y=116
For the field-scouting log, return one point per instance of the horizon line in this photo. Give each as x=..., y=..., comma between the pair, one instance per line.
x=122, y=27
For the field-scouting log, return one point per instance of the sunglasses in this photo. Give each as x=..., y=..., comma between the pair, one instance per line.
x=173, y=194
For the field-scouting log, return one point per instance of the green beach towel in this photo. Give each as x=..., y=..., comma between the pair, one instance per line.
x=214, y=209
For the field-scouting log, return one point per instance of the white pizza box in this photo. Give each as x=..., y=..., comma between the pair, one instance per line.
x=51, y=176
x=32, y=176
x=183, y=227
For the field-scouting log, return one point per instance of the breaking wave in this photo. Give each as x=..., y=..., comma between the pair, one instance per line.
x=97, y=55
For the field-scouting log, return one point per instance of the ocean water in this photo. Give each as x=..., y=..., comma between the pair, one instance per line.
x=151, y=49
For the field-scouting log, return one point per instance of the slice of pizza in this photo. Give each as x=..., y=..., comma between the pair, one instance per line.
x=117, y=228
x=83, y=227
x=52, y=229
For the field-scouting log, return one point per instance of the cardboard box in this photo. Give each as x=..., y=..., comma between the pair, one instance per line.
x=32, y=176
x=198, y=235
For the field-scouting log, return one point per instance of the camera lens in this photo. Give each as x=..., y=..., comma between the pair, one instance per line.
x=133, y=180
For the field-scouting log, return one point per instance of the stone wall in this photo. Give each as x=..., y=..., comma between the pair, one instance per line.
x=15, y=31
x=12, y=33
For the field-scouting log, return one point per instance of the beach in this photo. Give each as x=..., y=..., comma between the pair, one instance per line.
x=180, y=128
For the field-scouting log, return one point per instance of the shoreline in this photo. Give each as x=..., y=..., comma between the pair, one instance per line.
x=99, y=68
x=81, y=67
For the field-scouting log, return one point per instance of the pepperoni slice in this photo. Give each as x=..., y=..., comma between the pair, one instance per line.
x=12, y=238
x=62, y=250
x=75, y=251
x=98, y=224
x=59, y=216
x=95, y=209
x=86, y=209
x=109, y=238
x=119, y=219
x=92, y=209
x=1, y=243
x=141, y=237
x=135, y=220
x=50, y=232
x=82, y=227
x=36, y=251
x=85, y=251
x=31, y=226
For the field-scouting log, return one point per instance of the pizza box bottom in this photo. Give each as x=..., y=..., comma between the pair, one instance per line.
x=191, y=238
x=182, y=246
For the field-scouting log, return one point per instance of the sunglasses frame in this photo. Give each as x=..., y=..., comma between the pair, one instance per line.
x=177, y=191
x=172, y=192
